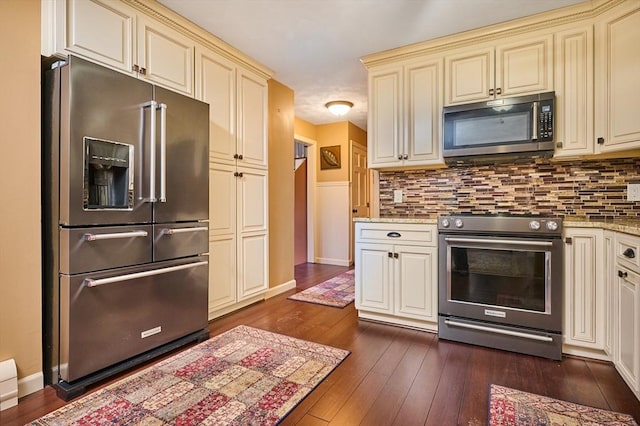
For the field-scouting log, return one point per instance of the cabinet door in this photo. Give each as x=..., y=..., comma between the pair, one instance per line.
x=416, y=282
x=102, y=31
x=574, y=92
x=166, y=56
x=252, y=208
x=222, y=237
x=423, y=100
x=628, y=335
x=610, y=311
x=584, y=321
x=216, y=85
x=617, y=82
x=469, y=75
x=373, y=277
x=524, y=66
x=252, y=120
x=385, y=117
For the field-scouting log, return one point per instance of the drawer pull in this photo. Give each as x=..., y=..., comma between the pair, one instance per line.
x=622, y=274
x=394, y=235
x=629, y=253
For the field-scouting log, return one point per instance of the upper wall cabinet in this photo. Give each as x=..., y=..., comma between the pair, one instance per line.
x=574, y=91
x=405, y=103
x=519, y=65
x=238, y=110
x=617, y=78
x=116, y=35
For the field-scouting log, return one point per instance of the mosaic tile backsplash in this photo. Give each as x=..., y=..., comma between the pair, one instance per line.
x=595, y=188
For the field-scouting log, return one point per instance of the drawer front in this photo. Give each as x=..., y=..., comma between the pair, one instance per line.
x=424, y=234
x=173, y=240
x=628, y=251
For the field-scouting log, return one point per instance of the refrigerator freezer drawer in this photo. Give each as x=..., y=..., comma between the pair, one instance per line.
x=173, y=240
x=93, y=249
x=108, y=317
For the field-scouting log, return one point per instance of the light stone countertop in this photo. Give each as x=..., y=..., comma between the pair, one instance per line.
x=627, y=225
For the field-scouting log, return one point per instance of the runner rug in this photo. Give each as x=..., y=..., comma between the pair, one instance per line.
x=245, y=376
x=513, y=407
x=338, y=291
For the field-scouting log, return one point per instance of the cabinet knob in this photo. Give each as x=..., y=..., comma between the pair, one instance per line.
x=600, y=141
x=400, y=157
x=498, y=91
x=237, y=174
x=354, y=211
x=629, y=253
x=389, y=254
x=568, y=240
x=559, y=145
x=622, y=274
x=405, y=157
x=491, y=92
x=394, y=234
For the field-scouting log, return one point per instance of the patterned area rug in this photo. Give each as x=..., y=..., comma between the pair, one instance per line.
x=338, y=291
x=513, y=407
x=245, y=376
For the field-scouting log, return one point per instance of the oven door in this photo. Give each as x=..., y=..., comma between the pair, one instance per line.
x=506, y=280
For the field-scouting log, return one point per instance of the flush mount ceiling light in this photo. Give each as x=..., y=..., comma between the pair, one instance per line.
x=339, y=107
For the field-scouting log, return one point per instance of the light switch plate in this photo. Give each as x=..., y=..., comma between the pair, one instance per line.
x=633, y=192
x=397, y=195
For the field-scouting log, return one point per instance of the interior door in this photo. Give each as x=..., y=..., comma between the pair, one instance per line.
x=359, y=189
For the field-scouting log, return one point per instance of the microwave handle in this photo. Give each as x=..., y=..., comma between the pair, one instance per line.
x=534, y=127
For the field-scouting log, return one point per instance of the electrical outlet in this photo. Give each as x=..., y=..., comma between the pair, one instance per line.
x=397, y=195
x=633, y=192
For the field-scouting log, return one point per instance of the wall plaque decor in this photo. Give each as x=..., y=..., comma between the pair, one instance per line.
x=330, y=157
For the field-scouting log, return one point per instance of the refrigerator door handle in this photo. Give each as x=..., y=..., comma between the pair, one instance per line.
x=94, y=237
x=90, y=282
x=153, y=105
x=169, y=231
x=163, y=152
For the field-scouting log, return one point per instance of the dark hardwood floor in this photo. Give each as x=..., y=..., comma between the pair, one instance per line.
x=397, y=376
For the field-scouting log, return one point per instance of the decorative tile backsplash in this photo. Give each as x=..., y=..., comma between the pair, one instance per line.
x=594, y=188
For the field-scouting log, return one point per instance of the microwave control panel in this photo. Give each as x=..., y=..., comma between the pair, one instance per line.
x=545, y=121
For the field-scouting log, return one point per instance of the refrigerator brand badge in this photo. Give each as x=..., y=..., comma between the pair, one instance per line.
x=150, y=332
x=492, y=313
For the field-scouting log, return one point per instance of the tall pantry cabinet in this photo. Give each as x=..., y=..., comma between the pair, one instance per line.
x=238, y=187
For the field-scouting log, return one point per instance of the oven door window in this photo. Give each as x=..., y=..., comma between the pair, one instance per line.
x=506, y=278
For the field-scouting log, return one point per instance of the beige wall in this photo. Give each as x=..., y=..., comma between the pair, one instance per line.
x=305, y=129
x=20, y=260
x=356, y=134
x=281, y=184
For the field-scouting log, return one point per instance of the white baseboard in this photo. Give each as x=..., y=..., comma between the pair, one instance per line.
x=336, y=262
x=30, y=384
x=279, y=289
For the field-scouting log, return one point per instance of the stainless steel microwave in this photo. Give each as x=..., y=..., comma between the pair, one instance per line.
x=501, y=126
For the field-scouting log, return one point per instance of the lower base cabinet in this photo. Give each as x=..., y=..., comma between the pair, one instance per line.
x=396, y=274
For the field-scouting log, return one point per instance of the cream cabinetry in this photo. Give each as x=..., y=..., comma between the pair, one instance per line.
x=238, y=182
x=405, y=102
x=396, y=273
x=616, y=77
x=116, y=35
x=515, y=66
x=574, y=91
x=585, y=326
x=627, y=310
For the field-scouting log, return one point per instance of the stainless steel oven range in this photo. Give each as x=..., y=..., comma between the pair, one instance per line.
x=500, y=282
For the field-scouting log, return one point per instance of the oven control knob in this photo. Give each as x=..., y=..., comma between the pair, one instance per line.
x=459, y=223
x=552, y=225
x=445, y=223
x=534, y=225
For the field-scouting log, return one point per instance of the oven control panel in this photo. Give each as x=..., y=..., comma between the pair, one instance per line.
x=501, y=224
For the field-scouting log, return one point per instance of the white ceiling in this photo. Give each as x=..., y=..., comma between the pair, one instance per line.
x=315, y=46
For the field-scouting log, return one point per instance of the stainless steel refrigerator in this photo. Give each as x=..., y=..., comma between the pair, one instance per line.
x=125, y=222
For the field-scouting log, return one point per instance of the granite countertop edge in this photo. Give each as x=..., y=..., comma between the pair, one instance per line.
x=627, y=226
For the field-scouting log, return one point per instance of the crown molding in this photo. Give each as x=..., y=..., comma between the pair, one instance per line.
x=182, y=25
x=545, y=21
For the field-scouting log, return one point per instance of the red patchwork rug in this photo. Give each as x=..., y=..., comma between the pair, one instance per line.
x=245, y=376
x=338, y=291
x=513, y=407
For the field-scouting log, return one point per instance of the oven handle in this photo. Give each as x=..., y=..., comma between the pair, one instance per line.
x=489, y=241
x=499, y=331
x=90, y=282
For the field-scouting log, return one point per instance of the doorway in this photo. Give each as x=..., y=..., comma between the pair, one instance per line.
x=304, y=200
